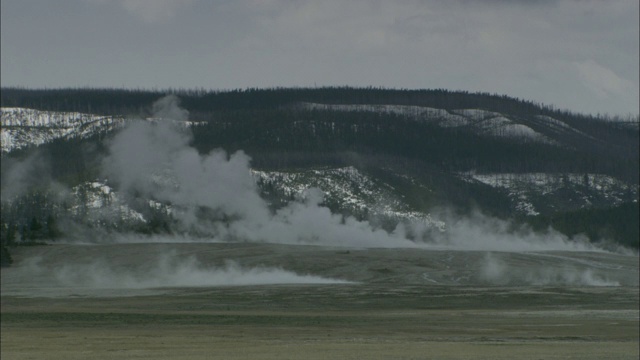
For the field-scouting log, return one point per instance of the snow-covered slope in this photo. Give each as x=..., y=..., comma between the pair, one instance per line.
x=479, y=121
x=348, y=189
x=96, y=202
x=25, y=127
x=532, y=193
x=22, y=127
x=345, y=188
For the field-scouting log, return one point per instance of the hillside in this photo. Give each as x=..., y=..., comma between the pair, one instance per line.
x=384, y=157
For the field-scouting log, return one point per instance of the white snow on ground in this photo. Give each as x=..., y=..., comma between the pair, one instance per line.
x=445, y=118
x=480, y=121
x=347, y=184
x=520, y=186
x=558, y=126
x=23, y=127
x=548, y=182
x=476, y=114
x=350, y=188
x=176, y=122
x=98, y=202
x=501, y=126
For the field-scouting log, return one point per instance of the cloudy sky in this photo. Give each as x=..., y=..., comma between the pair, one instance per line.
x=581, y=55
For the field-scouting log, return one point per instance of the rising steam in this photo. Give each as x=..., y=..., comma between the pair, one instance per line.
x=18, y=177
x=496, y=271
x=164, y=271
x=214, y=198
x=215, y=195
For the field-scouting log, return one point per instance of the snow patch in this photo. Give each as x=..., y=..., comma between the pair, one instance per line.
x=349, y=189
x=520, y=187
x=22, y=127
x=480, y=121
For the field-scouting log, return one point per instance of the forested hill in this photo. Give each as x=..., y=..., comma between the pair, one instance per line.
x=458, y=131
x=119, y=101
x=424, y=149
x=114, y=101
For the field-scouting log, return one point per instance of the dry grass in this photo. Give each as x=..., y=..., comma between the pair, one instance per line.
x=390, y=319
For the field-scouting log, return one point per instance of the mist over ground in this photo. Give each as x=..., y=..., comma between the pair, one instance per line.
x=159, y=268
x=166, y=269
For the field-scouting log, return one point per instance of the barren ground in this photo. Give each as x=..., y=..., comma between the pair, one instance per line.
x=400, y=304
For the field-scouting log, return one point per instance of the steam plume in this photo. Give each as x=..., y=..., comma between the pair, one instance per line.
x=496, y=271
x=214, y=194
x=21, y=176
x=89, y=276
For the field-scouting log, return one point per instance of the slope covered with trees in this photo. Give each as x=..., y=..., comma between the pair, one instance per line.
x=417, y=138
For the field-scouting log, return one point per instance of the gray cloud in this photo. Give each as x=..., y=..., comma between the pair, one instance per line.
x=603, y=81
x=153, y=11
x=539, y=50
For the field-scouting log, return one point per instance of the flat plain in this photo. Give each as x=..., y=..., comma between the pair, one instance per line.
x=387, y=304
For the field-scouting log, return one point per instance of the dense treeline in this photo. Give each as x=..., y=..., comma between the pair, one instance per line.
x=16, y=230
x=276, y=135
x=122, y=101
x=288, y=138
x=31, y=218
x=109, y=100
x=269, y=135
x=620, y=224
x=5, y=256
x=279, y=137
x=244, y=114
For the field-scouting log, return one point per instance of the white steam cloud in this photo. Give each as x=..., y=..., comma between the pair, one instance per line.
x=214, y=195
x=164, y=271
x=169, y=271
x=18, y=177
x=168, y=107
x=484, y=233
x=498, y=272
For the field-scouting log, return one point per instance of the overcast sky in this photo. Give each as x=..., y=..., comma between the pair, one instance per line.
x=581, y=55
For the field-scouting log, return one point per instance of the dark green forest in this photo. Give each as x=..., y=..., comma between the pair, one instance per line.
x=264, y=123
x=269, y=126
x=619, y=223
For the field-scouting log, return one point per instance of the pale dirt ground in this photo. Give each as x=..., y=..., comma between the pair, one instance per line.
x=448, y=338
x=388, y=314
x=196, y=343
